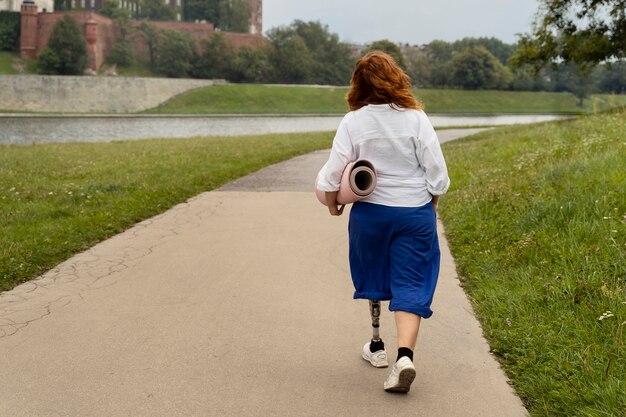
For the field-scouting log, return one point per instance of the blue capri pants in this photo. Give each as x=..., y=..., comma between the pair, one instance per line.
x=394, y=255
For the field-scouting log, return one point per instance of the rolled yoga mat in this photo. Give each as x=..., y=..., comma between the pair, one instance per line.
x=357, y=182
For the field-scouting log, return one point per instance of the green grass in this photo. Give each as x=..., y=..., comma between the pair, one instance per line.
x=10, y=62
x=138, y=68
x=59, y=199
x=271, y=99
x=536, y=219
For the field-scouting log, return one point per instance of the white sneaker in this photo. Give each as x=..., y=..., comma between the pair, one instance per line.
x=378, y=359
x=402, y=376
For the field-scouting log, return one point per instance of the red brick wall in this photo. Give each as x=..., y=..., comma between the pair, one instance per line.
x=198, y=32
x=105, y=31
x=106, y=34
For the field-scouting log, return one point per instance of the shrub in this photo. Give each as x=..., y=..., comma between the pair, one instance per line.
x=66, y=53
x=121, y=54
x=9, y=30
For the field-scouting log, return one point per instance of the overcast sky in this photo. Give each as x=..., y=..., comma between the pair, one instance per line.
x=407, y=21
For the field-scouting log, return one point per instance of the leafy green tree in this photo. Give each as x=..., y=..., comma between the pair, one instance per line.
x=583, y=32
x=66, y=53
x=150, y=34
x=612, y=78
x=305, y=52
x=569, y=77
x=419, y=66
x=290, y=57
x=332, y=60
x=440, y=54
x=217, y=59
x=226, y=15
x=252, y=65
x=499, y=49
x=9, y=30
x=121, y=54
x=156, y=10
x=389, y=48
x=113, y=10
x=476, y=68
x=173, y=53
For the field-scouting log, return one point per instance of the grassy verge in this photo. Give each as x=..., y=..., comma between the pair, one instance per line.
x=60, y=199
x=11, y=63
x=267, y=99
x=138, y=68
x=536, y=219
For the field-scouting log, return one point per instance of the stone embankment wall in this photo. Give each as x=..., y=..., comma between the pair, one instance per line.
x=48, y=93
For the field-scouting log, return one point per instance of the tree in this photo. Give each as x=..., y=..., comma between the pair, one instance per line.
x=569, y=77
x=252, y=65
x=583, y=32
x=389, y=48
x=440, y=54
x=419, y=66
x=305, y=52
x=333, y=62
x=226, y=15
x=121, y=54
x=217, y=59
x=9, y=30
x=613, y=78
x=156, y=10
x=499, y=49
x=112, y=10
x=173, y=53
x=476, y=68
x=66, y=53
x=290, y=57
x=150, y=35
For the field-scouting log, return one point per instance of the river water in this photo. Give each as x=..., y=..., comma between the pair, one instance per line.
x=22, y=130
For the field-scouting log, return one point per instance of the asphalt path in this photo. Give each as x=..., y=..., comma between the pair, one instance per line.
x=235, y=303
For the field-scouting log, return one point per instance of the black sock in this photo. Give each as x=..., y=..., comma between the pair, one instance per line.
x=403, y=351
x=376, y=345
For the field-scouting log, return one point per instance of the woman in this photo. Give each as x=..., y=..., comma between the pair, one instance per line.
x=394, y=252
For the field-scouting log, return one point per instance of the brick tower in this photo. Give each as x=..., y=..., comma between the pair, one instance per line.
x=256, y=17
x=29, y=21
x=91, y=36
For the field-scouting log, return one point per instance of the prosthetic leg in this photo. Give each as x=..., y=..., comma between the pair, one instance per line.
x=374, y=351
x=375, y=313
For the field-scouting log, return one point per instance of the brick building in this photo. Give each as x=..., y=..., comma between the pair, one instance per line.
x=101, y=32
x=15, y=5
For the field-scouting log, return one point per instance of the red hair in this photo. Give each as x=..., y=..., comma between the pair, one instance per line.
x=377, y=79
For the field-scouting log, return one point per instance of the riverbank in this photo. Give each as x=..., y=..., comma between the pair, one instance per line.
x=60, y=199
x=536, y=220
x=264, y=99
x=24, y=130
x=29, y=94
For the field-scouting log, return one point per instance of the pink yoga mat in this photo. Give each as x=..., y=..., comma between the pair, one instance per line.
x=357, y=182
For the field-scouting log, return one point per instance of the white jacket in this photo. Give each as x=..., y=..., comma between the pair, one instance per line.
x=403, y=147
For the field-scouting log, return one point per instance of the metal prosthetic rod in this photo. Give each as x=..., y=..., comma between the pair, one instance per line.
x=375, y=313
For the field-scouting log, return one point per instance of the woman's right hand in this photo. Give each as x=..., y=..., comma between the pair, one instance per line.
x=331, y=201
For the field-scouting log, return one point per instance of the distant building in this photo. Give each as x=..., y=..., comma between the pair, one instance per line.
x=45, y=6
x=100, y=31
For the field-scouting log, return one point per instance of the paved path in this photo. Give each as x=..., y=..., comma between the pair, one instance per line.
x=236, y=303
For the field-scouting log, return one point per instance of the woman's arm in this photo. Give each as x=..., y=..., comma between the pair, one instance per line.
x=331, y=201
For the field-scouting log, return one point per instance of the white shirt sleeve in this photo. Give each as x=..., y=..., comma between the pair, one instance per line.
x=342, y=152
x=431, y=158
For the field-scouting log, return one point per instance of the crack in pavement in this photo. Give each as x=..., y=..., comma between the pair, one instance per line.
x=95, y=268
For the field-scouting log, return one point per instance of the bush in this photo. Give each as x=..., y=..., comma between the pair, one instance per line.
x=9, y=30
x=121, y=54
x=476, y=68
x=173, y=53
x=66, y=53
